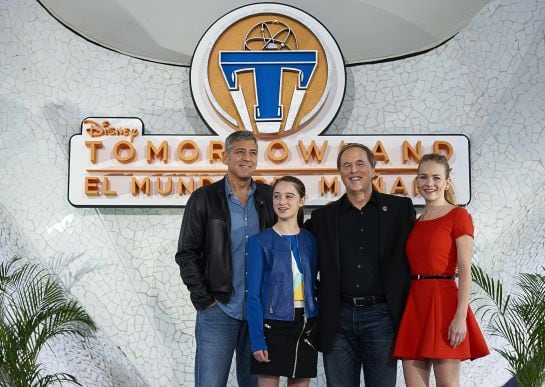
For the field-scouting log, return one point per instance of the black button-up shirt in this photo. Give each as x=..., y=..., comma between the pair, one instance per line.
x=359, y=246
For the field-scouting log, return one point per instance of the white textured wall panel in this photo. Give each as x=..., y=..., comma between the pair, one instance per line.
x=488, y=83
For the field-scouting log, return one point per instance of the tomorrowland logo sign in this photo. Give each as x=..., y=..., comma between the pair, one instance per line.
x=268, y=68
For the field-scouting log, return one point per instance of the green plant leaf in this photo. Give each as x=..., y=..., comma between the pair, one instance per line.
x=34, y=309
x=519, y=320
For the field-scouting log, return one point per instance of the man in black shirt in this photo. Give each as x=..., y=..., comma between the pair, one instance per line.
x=364, y=274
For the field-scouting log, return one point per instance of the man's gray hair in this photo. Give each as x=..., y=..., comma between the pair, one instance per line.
x=350, y=145
x=239, y=135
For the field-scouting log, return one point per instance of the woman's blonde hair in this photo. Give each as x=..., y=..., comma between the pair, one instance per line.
x=441, y=160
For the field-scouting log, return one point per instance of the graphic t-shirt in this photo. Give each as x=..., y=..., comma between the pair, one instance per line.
x=298, y=294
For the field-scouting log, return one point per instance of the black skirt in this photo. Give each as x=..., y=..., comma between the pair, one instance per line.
x=291, y=346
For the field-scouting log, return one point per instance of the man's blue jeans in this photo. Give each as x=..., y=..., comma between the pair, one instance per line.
x=218, y=337
x=365, y=338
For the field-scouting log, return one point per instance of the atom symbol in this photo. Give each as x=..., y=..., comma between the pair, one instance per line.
x=270, y=35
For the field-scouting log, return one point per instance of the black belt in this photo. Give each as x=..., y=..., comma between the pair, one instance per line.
x=363, y=301
x=424, y=276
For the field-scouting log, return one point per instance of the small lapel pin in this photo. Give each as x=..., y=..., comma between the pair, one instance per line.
x=384, y=208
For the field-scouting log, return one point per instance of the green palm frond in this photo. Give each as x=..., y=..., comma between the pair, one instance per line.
x=492, y=287
x=55, y=378
x=34, y=308
x=519, y=320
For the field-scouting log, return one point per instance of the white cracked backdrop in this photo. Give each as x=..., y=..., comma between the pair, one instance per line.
x=488, y=83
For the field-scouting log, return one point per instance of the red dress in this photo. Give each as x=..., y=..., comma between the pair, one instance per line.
x=431, y=304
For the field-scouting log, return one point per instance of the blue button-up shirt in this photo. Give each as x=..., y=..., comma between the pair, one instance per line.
x=244, y=224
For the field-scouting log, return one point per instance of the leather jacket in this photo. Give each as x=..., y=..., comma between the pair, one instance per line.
x=270, y=280
x=204, y=246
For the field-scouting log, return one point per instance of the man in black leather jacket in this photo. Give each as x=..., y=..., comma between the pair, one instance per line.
x=218, y=220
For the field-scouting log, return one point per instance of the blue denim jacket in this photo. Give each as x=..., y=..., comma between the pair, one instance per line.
x=270, y=280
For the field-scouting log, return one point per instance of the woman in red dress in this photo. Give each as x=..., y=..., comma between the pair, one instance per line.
x=438, y=328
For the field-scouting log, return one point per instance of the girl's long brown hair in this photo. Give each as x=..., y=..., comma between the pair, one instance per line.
x=300, y=188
